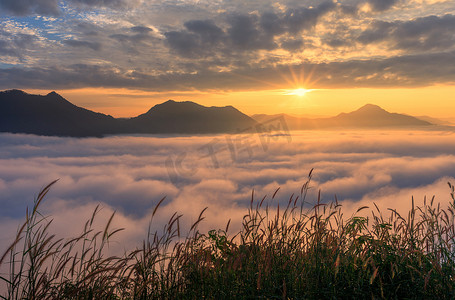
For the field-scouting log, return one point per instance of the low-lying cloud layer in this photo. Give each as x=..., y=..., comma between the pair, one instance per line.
x=131, y=174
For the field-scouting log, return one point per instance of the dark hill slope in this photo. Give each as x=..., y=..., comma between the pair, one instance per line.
x=50, y=115
x=189, y=117
x=368, y=116
x=53, y=115
x=374, y=116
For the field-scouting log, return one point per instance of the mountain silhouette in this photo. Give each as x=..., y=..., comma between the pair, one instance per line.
x=374, y=116
x=50, y=115
x=190, y=117
x=437, y=121
x=53, y=115
x=368, y=116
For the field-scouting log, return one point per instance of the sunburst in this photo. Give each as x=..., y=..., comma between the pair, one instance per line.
x=297, y=92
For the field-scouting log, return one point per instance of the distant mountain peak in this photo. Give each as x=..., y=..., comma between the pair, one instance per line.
x=14, y=92
x=53, y=93
x=172, y=106
x=170, y=101
x=371, y=115
x=190, y=117
x=50, y=114
x=371, y=108
x=367, y=116
x=56, y=97
x=178, y=103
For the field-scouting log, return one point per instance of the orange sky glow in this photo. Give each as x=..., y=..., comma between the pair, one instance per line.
x=122, y=57
x=126, y=103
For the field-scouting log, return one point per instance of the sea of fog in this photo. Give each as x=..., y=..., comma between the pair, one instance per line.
x=131, y=174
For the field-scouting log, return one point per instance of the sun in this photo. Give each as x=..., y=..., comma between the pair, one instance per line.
x=297, y=92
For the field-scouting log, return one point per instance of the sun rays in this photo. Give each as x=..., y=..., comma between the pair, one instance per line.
x=300, y=92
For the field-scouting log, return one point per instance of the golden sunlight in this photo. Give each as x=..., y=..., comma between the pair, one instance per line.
x=297, y=92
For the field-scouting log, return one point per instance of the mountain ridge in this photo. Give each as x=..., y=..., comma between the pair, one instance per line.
x=367, y=116
x=171, y=116
x=52, y=114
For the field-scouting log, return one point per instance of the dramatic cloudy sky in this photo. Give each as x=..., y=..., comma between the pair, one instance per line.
x=122, y=56
x=131, y=174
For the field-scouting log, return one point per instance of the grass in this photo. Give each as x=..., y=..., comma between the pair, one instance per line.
x=288, y=252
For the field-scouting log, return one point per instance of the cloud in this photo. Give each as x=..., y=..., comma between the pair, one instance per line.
x=228, y=46
x=382, y=5
x=16, y=41
x=100, y=3
x=292, y=44
x=244, y=32
x=129, y=172
x=6, y=49
x=303, y=18
x=199, y=37
x=128, y=175
x=26, y=7
x=203, y=38
x=225, y=45
x=402, y=200
x=421, y=34
x=401, y=71
x=52, y=7
x=75, y=43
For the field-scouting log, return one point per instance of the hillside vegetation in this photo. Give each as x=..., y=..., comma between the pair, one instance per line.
x=284, y=252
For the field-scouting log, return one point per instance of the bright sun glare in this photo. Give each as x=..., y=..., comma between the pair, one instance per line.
x=297, y=92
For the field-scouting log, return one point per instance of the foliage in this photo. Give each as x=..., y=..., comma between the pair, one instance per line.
x=281, y=252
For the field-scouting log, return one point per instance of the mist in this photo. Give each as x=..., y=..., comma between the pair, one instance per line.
x=131, y=174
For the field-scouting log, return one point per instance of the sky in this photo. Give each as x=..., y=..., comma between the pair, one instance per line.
x=131, y=174
x=121, y=57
